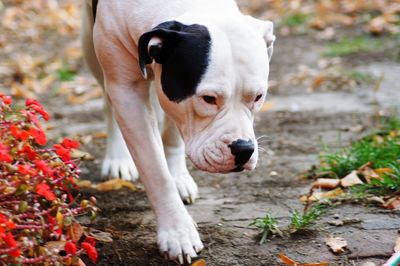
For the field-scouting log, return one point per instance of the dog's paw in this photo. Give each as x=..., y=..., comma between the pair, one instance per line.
x=123, y=168
x=179, y=241
x=187, y=188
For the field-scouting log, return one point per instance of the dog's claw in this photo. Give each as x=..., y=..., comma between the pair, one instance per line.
x=188, y=200
x=180, y=258
x=188, y=259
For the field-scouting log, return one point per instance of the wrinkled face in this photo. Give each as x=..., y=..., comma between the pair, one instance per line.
x=216, y=117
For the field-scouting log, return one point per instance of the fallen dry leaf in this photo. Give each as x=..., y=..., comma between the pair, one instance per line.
x=376, y=200
x=383, y=171
x=290, y=262
x=351, y=180
x=84, y=183
x=200, y=262
x=58, y=245
x=114, y=184
x=286, y=260
x=377, y=25
x=368, y=173
x=392, y=203
x=318, y=195
x=328, y=183
x=82, y=155
x=99, y=235
x=336, y=244
x=74, y=232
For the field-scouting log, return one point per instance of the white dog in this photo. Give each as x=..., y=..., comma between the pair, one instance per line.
x=209, y=64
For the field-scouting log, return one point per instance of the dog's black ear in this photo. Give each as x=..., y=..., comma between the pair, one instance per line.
x=183, y=52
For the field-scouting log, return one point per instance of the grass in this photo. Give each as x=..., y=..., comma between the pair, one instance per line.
x=352, y=45
x=295, y=19
x=65, y=74
x=381, y=150
x=361, y=77
x=306, y=220
x=267, y=226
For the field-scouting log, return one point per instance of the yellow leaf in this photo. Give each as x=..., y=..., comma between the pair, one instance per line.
x=114, y=184
x=60, y=219
x=200, y=262
x=383, y=171
x=84, y=183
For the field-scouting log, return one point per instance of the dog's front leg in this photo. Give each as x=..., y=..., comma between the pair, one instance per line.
x=177, y=235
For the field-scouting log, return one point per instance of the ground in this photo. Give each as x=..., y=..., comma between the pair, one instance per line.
x=296, y=124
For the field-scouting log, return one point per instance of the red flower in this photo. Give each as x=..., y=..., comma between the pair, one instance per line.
x=32, y=117
x=70, y=247
x=29, y=152
x=44, y=190
x=38, y=135
x=37, y=107
x=26, y=170
x=42, y=165
x=70, y=144
x=3, y=218
x=10, y=224
x=90, y=240
x=6, y=99
x=18, y=133
x=90, y=250
x=9, y=240
x=15, y=253
x=4, y=155
x=64, y=153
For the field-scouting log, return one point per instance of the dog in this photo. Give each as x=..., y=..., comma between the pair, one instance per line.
x=181, y=77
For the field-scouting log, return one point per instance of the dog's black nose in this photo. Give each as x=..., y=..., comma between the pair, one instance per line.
x=242, y=150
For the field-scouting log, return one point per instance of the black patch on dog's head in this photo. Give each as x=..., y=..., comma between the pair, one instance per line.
x=183, y=54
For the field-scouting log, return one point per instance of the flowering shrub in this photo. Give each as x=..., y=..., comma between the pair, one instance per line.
x=37, y=210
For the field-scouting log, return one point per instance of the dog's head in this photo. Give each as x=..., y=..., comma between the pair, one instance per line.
x=211, y=81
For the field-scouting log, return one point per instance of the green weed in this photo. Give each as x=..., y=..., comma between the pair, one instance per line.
x=390, y=182
x=352, y=45
x=361, y=77
x=295, y=19
x=66, y=74
x=381, y=150
x=307, y=219
x=266, y=226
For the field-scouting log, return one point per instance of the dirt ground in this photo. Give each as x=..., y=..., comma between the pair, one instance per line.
x=292, y=142
x=295, y=128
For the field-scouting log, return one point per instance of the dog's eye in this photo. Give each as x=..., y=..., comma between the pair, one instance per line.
x=210, y=99
x=258, y=97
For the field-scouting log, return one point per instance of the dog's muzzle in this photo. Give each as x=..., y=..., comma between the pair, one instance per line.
x=242, y=150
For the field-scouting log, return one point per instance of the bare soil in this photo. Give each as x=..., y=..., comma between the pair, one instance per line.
x=292, y=142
